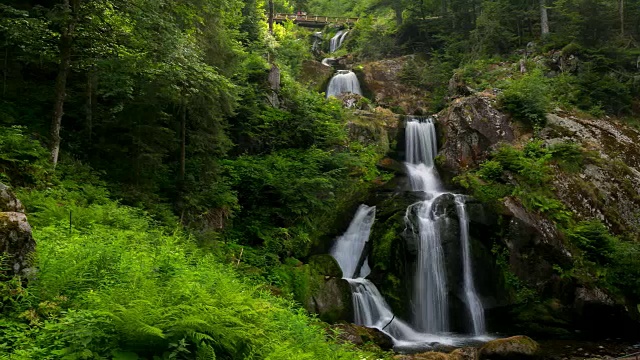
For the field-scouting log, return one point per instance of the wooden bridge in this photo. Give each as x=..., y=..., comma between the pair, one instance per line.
x=314, y=20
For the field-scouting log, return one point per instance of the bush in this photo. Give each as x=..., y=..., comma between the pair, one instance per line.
x=23, y=161
x=527, y=99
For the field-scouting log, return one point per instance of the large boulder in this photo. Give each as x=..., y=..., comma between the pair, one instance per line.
x=315, y=75
x=512, y=348
x=381, y=81
x=471, y=127
x=8, y=201
x=360, y=335
x=331, y=300
x=16, y=242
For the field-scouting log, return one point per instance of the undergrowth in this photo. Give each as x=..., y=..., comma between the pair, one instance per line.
x=117, y=285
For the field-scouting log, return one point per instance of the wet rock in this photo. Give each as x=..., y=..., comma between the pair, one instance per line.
x=331, y=300
x=8, y=201
x=360, y=335
x=472, y=127
x=16, y=242
x=515, y=347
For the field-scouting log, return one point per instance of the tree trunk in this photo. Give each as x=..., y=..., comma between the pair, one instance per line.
x=398, y=9
x=91, y=88
x=271, y=16
x=621, y=13
x=66, y=41
x=183, y=145
x=544, y=19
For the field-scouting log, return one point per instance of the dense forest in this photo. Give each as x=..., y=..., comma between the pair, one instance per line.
x=182, y=175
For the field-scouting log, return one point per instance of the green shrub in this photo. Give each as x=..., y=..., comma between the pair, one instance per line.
x=527, y=99
x=594, y=239
x=23, y=161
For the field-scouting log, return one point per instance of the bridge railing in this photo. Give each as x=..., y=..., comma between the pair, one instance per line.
x=316, y=19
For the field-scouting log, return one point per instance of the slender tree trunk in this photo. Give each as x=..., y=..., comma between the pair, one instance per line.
x=66, y=40
x=621, y=13
x=398, y=9
x=183, y=144
x=91, y=87
x=544, y=19
x=6, y=70
x=271, y=16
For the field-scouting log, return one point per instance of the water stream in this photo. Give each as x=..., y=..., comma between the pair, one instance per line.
x=337, y=40
x=430, y=322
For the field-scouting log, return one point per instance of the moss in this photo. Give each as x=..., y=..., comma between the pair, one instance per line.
x=515, y=347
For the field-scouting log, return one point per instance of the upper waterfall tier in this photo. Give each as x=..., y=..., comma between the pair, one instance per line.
x=344, y=81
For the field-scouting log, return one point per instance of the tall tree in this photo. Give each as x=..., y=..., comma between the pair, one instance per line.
x=70, y=14
x=544, y=18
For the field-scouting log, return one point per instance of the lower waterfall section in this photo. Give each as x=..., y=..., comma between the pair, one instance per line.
x=476, y=312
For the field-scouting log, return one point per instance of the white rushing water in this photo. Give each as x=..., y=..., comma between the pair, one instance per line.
x=337, y=40
x=430, y=323
x=344, y=81
x=474, y=305
x=430, y=305
x=370, y=308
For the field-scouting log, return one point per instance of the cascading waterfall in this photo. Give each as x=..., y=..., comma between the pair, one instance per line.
x=430, y=303
x=337, y=39
x=476, y=311
x=370, y=308
x=430, y=293
x=344, y=81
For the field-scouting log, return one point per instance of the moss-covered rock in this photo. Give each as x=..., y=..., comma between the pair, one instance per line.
x=330, y=298
x=362, y=336
x=325, y=264
x=515, y=347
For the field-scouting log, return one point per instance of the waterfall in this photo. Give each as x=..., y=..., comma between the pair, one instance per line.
x=349, y=247
x=337, y=39
x=474, y=305
x=430, y=305
x=430, y=323
x=344, y=81
x=317, y=40
x=370, y=308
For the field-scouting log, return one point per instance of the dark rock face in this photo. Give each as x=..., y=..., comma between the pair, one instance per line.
x=16, y=241
x=315, y=75
x=472, y=127
x=535, y=245
x=515, y=347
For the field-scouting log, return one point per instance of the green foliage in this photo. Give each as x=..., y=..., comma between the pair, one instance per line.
x=594, y=239
x=23, y=161
x=527, y=99
x=117, y=286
